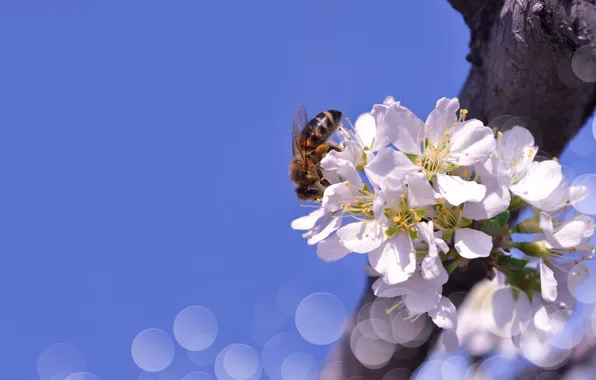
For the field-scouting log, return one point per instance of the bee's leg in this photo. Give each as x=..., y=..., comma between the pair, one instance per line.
x=324, y=181
x=335, y=148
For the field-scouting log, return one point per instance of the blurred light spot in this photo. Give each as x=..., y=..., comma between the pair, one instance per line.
x=241, y=361
x=509, y=314
x=473, y=373
x=60, y=360
x=504, y=123
x=566, y=74
x=370, y=351
x=331, y=369
x=237, y=362
x=564, y=335
x=195, y=328
x=290, y=294
x=299, y=366
x=152, y=350
x=199, y=376
x=82, y=376
x=202, y=358
x=409, y=332
x=534, y=347
x=431, y=369
x=398, y=374
x=454, y=368
x=277, y=349
x=320, y=318
x=583, y=64
x=500, y=366
x=587, y=205
x=180, y=367
x=581, y=283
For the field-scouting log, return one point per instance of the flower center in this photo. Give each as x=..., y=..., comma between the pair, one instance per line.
x=362, y=206
x=448, y=217
x=402, y=218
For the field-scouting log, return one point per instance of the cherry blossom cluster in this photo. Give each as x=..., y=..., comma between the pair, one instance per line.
x=422, y=199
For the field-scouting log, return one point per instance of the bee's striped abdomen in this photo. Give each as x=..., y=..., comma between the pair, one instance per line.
x=321, y=127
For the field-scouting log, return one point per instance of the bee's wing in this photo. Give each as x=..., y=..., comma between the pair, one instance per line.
x=299, y=121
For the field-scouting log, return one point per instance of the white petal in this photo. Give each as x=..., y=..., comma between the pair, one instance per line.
x=445, y=314
x=496, y=200
x=539, y=181
x=471, y=142
x=308, y=221
x=471, y=244
x=335, y=164
x=382, y=289
x=569, y=235
x=402, y=128
x=420, y=192
x=457, y=190
x=440, y=118
x=425, y=298
x=432, y=269
x=331, y=250
x=589, y=227
x=546, y=225
x=389, y=163
x=337, y=195
x=548, y=283
x=361, y=237
x=394, y=259
x=325, y=230
x=366, y=128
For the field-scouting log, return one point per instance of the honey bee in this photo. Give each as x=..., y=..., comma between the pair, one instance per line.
x=309, y=146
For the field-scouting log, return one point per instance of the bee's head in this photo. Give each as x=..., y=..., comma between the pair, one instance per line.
x=307, y=193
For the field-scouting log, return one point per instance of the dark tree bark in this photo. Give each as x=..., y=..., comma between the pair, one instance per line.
x=521, y=54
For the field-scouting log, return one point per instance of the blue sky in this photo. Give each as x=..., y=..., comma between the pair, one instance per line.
x=144, y=150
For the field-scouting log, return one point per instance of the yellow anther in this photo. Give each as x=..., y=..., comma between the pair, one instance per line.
x=500, y=134
x=466, y=172
x=366, y=235
x=412, y=250
x=556, y=159
x=402, y=196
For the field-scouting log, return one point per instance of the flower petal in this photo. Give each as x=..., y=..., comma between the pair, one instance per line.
x=445, y=314
x=432, y=269
x=308, y=221
x=420, y=192
x=457, y=190
x=331, y=250
x=539, y=181
x=337, y=195
x=382, y=289
x=548, y=283
x=324, y=230
x=472, y=244
x=361, y=237
x=496, y=200
x=366, y=128
x=401, y=127
x=340, y=169
x=396, y=259
x=440, y=118
x=471, y=142
x=389, y=164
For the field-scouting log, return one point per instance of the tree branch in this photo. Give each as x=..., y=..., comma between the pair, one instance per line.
x=521, y=54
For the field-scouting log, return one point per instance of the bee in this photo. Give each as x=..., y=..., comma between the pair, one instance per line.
x=309, y=146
